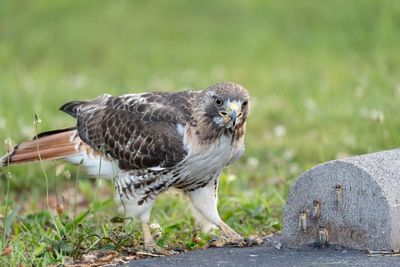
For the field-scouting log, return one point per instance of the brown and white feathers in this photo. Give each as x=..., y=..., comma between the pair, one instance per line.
x=157, y=140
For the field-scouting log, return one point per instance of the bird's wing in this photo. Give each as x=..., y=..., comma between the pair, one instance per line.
x=139, y=130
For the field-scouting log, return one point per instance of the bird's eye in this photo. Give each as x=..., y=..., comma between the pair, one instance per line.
x=244, y=104
x=218, y=102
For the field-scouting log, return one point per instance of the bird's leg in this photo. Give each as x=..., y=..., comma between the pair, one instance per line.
x=205, y=225
x=148, y=240
x=143, y=211
x=149, y=243
x=204, y=201
x=229, y=233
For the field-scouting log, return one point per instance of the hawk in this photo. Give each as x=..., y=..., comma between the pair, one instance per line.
x=150, y=142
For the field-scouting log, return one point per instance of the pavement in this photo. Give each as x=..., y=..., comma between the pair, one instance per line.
x=269, y=255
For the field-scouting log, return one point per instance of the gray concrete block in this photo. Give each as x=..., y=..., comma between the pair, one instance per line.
x=353, y=202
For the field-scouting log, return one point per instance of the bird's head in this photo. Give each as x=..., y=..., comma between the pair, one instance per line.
x=227, y=104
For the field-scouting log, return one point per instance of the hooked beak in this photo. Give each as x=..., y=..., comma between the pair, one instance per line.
x=232, y=114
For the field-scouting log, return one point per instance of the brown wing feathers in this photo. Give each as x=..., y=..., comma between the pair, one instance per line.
x=71, y=107
x=139, y=131
x=135, y=143
x=51, y=145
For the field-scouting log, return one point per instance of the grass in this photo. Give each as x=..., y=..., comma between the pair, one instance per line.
x=323, y=76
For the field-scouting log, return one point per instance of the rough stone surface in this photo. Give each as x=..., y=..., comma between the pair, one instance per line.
x=359, y=200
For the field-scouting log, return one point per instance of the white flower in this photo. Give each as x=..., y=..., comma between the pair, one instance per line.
x=252, y=162
x=155, y=226
x=231, y=177
x=280, y=131
x=373, y=114
x=288, y=154
x=377, y=115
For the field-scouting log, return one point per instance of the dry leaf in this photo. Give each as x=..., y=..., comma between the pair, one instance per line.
x=7, y=251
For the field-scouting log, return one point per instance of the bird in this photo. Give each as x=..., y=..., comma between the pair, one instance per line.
x=147, y=143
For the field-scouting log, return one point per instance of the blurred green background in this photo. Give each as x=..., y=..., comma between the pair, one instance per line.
x=323, y=76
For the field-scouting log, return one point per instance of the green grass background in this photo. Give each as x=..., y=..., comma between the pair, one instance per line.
x=323, y=76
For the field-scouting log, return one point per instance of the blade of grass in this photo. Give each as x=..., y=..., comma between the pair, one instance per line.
x=7, y=201
x=97, y=179
x=10, y=219
x=75, y=194
x=37, y=121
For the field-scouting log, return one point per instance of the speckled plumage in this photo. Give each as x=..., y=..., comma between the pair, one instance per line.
x=154, y=141
x=140, y=132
